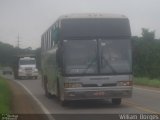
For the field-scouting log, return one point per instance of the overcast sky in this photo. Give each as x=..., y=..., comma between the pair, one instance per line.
x=30, y=18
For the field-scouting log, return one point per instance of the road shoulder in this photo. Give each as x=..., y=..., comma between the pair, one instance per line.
x=22, y=102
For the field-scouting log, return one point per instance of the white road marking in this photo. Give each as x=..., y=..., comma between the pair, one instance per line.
x=155, y=91
x=45, y=110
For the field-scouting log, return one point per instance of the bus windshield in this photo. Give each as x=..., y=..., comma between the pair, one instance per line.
x=27, y=62
x=80, y=56
x=97, y=56
x=115, y=56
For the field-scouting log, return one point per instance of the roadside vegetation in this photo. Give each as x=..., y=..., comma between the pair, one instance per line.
x=146, y=55
x=146, y=59
x=147, y=82
x=5, y=97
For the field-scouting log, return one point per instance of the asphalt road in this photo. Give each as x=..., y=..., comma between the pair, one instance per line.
x=144, y=100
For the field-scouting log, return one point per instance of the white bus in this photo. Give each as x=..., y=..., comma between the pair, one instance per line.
x=87, y=56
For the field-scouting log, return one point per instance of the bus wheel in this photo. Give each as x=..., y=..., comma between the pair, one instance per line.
x=47, y=93
x=116, y=101
x=64, y=103
x=19, y=77
x=58, y=91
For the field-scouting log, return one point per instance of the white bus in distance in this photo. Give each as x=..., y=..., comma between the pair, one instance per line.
x=27, y=68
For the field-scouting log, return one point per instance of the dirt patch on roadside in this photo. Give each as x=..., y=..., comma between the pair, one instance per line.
x=23, y=104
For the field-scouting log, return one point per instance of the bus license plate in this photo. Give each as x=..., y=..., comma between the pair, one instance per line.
x=99, y=93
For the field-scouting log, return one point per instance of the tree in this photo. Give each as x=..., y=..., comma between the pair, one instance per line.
x=146, y=55
x=148, y=35
x=6, y=54
x=37, y=53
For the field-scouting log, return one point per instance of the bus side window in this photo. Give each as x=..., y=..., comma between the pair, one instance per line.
x=54, y=36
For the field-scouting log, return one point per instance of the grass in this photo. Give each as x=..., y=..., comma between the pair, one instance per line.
x=147, y=82
x=5, y=96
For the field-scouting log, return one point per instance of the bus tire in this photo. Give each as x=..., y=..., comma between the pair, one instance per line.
x=58, y=91
x=116, y=101
x=64, y=103
x=19, y=78
x=47, y=93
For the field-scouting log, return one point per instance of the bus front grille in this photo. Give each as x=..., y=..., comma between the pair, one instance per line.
x=103, y=85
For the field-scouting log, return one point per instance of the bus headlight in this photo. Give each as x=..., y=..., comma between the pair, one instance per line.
x=35, y=70
x=124, y=83
x=20, y=70
x=72, y=85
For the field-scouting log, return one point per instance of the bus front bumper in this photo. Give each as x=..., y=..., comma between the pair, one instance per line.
x=26, y=74
x=97, y=93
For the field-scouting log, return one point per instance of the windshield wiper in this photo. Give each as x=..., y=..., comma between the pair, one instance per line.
x=90, y=64
x=109, y=65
